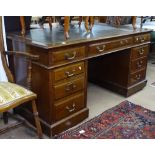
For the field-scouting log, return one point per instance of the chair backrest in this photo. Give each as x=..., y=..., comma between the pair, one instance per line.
x=4, y=66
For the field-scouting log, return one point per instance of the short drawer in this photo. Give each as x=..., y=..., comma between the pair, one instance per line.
x=140, y=51
x=68, y=88
x=69, y=106
x=138, y=64
x=98, y=48
x=142, y=38
x=70, y=121
x=68, y=55
x=68, y=71
x=137, y=77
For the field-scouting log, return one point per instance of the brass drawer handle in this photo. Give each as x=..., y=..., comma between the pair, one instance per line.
x=99, y=49
x=70, y=87
x=137, y=39
x=141, y=52
x=69, y=74
x=70, y=56
x=142, y=39
x=138, y=77
x=126, y=41
x=123, y=42
x=139, y=64
x=71, y=109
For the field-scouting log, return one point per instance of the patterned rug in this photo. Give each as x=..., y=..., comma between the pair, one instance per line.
x=124, y=121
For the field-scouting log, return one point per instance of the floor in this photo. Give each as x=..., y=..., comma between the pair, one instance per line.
x=99, y=100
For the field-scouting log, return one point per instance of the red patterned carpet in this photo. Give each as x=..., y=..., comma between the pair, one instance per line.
x=124, y=121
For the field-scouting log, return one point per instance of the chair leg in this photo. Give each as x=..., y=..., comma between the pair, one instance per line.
x=5, y=117
x=37, y=121
x=22, y=22
x=86, y=23
x=50, y=22
x=91, y=22
x=66, y=26
x=80, y=20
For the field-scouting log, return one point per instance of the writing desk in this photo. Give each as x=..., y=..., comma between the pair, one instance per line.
x=115, y=58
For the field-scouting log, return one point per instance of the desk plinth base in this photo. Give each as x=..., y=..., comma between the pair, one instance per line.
x=60, y=126
x=125, y=91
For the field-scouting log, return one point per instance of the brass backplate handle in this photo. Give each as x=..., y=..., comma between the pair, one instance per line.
x=70, y=56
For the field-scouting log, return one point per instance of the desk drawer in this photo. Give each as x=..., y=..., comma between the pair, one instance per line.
x=138, y=64
x=68, y=55
x=70, y=121
x=69, y=106
x=142, y=38
x=140, y=51
x=98, y=48
x=68, y=88
x=68, y=71
x=120, y=43
x=137, y=77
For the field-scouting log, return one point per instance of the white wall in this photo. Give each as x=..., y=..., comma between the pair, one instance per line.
x=3, y=76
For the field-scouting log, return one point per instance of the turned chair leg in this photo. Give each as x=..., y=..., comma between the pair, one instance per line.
x=50, y=22
x=80, y=20
x=5, y=117
x=86, y=23
x=22, y=22
x=91, y=22
x=134, y=22
x=141, y=22
x=37, y=121
x=66, y=26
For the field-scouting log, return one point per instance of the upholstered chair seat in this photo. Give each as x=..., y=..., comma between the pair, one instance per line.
x=12, y=95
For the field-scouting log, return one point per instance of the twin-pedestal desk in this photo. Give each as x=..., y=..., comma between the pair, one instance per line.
x=115, y=58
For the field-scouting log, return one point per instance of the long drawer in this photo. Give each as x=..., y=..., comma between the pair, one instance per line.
x=137, y=77
x=140, y=51
x=69, y=106
x=121, y=42
x=138, y=64
x=68, y=88
x=68, y=71
x=99, y=48
x=68, y=55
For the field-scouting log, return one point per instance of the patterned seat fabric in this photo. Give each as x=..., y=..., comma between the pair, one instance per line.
x=11, y=93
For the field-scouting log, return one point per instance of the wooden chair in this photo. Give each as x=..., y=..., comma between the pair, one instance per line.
x=13, y=95
x=89, y=22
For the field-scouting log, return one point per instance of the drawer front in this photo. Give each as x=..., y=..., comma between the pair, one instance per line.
x=137, y=77
x=68, y=55
x=70, y=121
x=138, y=64
x=142, y=38
x=68, y=71
x=138, y=52
x=68, y=88
x=69, y=106
x=122, y=42
x=98, y=48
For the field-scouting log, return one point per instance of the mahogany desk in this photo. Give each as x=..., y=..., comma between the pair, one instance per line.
x=115, y=58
